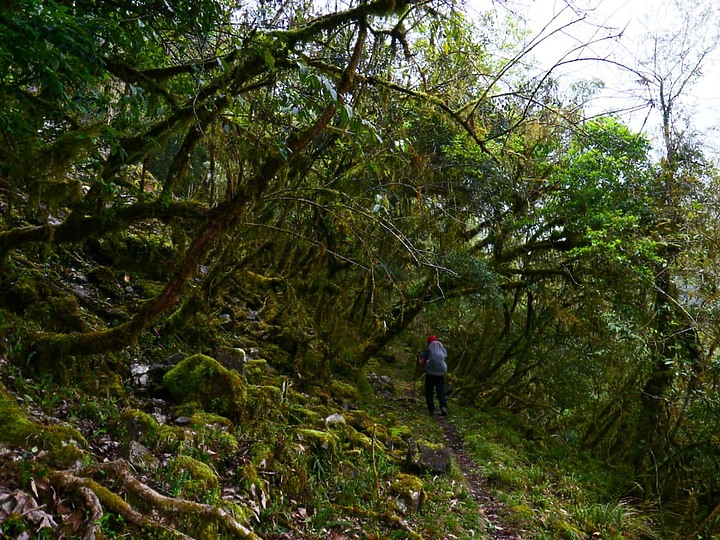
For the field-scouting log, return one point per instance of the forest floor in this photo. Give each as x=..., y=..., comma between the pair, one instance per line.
x=494, y=518
x=490, y=507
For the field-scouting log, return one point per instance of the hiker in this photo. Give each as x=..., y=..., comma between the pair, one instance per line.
x=433, y=360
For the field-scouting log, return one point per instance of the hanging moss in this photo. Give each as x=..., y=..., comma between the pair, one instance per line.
x=203, y=379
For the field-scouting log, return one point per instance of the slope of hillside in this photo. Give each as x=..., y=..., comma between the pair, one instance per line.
x=188, y=435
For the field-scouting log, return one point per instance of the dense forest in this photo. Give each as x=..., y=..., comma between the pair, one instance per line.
x=226, y=229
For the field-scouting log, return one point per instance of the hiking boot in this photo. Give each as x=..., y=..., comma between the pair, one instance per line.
x=443, y=412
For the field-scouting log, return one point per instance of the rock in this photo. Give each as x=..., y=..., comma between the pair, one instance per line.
x=203, y=380
x=382, y=384
x=408, y=493
x=334, y=420
x=427, y=459
x=232, y=358
x=174, y=359
x=140, y=457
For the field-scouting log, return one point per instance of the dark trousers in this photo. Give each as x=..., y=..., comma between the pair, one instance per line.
x=435, y=384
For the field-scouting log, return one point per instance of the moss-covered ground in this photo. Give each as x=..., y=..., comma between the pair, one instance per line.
x=260, y=450
x=327, y=463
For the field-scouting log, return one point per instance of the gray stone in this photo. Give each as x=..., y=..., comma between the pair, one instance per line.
x=140, y=457
x=424, y=459
x=231, y=358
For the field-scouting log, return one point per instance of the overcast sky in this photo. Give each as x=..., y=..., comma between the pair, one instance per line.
x=637, y=20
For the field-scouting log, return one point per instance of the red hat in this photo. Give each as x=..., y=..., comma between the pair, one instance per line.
x=430, y=339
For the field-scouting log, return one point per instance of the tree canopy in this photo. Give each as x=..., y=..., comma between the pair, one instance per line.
x=357, y=175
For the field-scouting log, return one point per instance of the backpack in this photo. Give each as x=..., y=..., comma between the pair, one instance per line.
x=436, y=364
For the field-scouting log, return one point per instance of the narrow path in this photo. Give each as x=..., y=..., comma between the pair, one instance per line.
x=477, y=485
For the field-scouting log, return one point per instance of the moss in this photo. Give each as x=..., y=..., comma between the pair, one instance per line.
x=402, y=432
x=58, y=314
x=170, y=438
x=144, y=428
x=361, y=421
x=257, y=370
x=406, y=483
x=193, y=478
x=202, y=378
x=25, y=291
x=320, y=440
x=101, y=381
x=342, y=390
x=215, y=434
x=299, y=415
x=265, y=401
x=138, y=424
x=357, y=439
x=16, y=429
x=409, y=493
x=204, y=419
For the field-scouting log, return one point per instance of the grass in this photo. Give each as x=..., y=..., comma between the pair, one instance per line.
x=549, y=491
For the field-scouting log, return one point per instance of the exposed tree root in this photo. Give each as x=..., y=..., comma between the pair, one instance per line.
x=165, y=509
x=96, y=512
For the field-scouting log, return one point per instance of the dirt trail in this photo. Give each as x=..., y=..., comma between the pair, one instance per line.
x=477, y=485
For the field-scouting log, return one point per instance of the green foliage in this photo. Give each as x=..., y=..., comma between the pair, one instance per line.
x=226, y=153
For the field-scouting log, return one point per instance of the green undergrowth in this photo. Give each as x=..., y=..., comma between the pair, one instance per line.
x=281, y=462
x=547, y=489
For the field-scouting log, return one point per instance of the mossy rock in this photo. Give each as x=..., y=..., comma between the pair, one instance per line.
x=361, y=421
x=302, y=415
x=204, y=419
x=218, y=389
x=265, y=401
x=343, y=391
x=171, y=438
x=139, y=425
x=360, y=440
x=193, y=479
x=257, y=369
x=320, y=441
x=215, y=434
x=62, y=443
x=408, y=493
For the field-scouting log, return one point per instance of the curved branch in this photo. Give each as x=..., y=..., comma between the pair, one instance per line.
x=49, y=347
x=78, y=227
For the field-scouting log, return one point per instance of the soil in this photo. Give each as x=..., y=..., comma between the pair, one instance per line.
x=490, y=507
